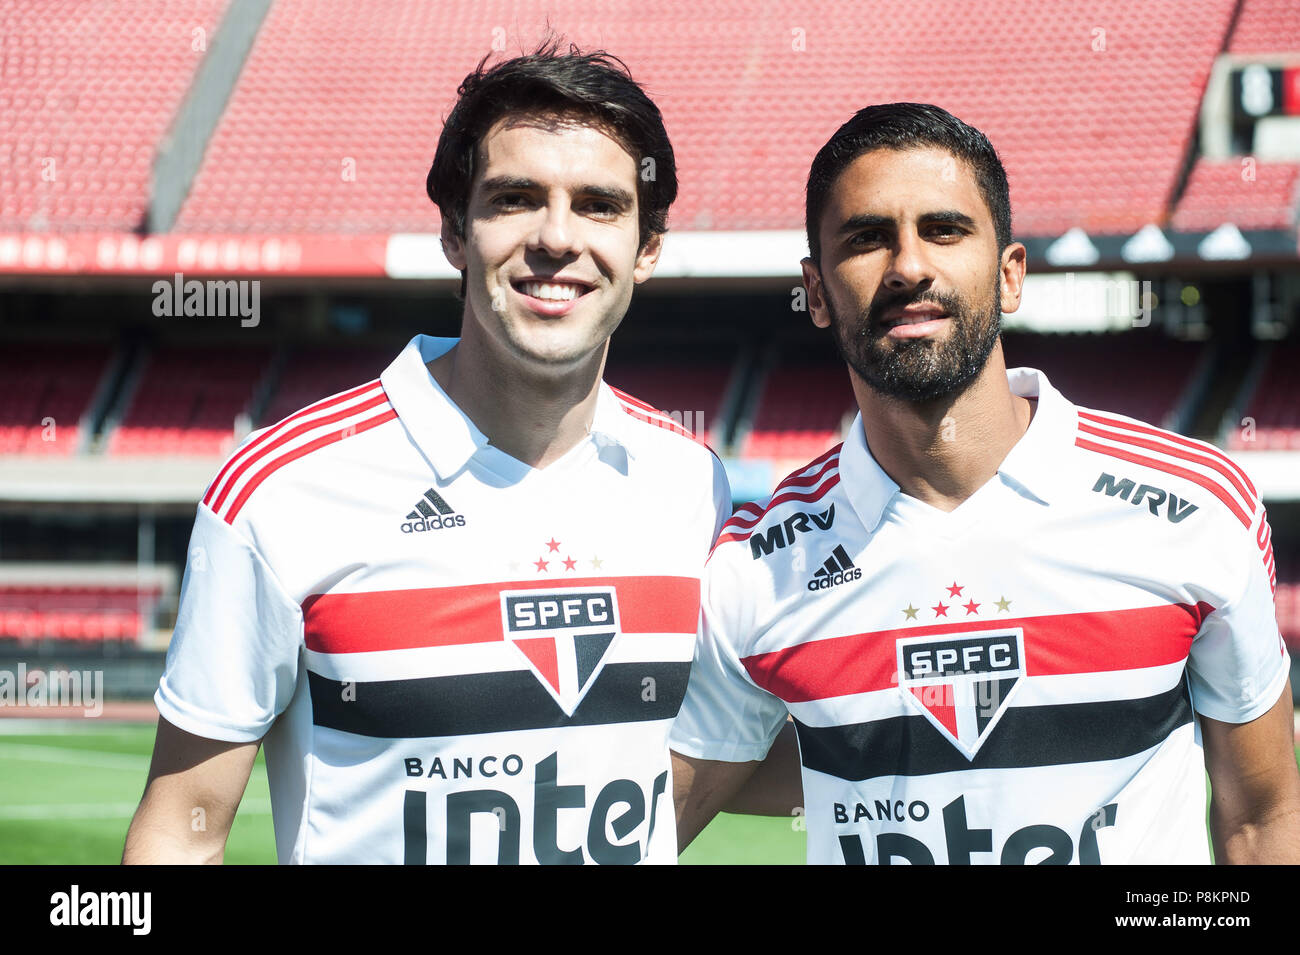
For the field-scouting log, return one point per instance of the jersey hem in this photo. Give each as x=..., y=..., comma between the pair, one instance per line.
x=199, y=724
x=1263, y=702
x=722, y=752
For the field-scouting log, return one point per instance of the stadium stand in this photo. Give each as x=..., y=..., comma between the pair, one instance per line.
x=1144, y=377
x=294, y=154
x=88, y=91
x=802, y=408
x=1266, y=26
x=1217, y=192
x=690, y=392
x=80, y=602
x=1273, y=406
x=315, y=372
x=187, y=400
x=800, y=412
x=42, y=385
x=73, y=613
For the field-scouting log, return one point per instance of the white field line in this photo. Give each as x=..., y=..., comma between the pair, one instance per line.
x=48, y=726
x=101, y=810
x=35, y=753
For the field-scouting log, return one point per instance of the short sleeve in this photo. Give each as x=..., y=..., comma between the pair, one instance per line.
x=232, y=665
x=725, y=715
x=721, y=497
x=1238, y=663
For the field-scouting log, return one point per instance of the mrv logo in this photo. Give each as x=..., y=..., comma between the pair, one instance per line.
x=620, y=807
x=564, y=636
x=1175, y=509
x=961, y=681
x=762, y=543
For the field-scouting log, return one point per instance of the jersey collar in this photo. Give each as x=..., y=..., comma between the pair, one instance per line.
x=446, y=435
x=1037, y=459
x=1033, y=464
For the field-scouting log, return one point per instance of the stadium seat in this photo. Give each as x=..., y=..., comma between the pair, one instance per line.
x=1082, y=146
x=1273, y=407
x=90, y=91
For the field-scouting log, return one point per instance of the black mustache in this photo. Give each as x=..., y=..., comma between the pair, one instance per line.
x=951, y=304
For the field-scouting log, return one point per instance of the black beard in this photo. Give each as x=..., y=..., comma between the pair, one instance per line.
x=919, y=369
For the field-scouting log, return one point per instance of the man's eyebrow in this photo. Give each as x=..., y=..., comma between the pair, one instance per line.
x=867, y=220
x=509, y=182
x=524, y=184
x=612, y=193
x=949, y=216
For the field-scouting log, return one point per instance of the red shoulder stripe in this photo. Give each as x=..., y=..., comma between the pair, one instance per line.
x=743, y=531
x=1195, y=476
x=628, y=399
x=1198, y=446
x=255, y=446
x=265, y=452
x=660, y=422
x=1201, y=459
x=296, y=453
x=797, y=480
x=833, y=452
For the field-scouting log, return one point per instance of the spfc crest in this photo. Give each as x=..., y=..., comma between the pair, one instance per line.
x=564, y=635
x=961, y=682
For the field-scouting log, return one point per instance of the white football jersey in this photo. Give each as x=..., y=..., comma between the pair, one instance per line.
x=1016, y=681
x=453, y=657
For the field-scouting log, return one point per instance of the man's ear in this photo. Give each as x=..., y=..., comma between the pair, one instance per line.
x=1011, y=275
x=453, y=246
x=648, y=258
x=812, y=281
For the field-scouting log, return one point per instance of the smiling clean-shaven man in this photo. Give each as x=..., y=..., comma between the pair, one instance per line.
x=475, y=656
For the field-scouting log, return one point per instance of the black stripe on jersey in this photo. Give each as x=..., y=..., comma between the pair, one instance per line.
x=1026, y=736
x=493, y=702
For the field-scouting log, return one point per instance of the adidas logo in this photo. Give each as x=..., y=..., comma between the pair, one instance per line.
x=838, y=569
x=431, y=513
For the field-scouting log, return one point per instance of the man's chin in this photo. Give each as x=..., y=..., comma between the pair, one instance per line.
x=554, y=350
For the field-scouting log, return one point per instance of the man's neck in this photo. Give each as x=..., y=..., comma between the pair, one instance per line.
x=941, y=452
x=535, y=419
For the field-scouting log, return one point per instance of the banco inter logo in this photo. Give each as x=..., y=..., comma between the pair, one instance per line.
x=762, y=543
x=431, y=513
x=961, y=682
x=564, y=635
x=838, y=569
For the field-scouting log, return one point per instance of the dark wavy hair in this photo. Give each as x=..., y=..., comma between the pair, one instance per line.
x=549, y=81
x=907, y=126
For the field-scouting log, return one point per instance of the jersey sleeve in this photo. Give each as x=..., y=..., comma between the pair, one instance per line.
x=725, y=715
x=232, y=665
x=1238, y=663
x=721, y=497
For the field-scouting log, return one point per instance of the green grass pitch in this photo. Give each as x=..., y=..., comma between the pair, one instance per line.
x=67, y=792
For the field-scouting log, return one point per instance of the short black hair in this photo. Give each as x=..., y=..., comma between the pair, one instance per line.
x=907, y=126
x=556, y=82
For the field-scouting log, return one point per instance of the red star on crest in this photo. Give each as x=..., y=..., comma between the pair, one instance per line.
x=971, y=607
x=570, y=563
x=540, y=565
x=553, y=544
x=940, y=610
x=954, y=590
